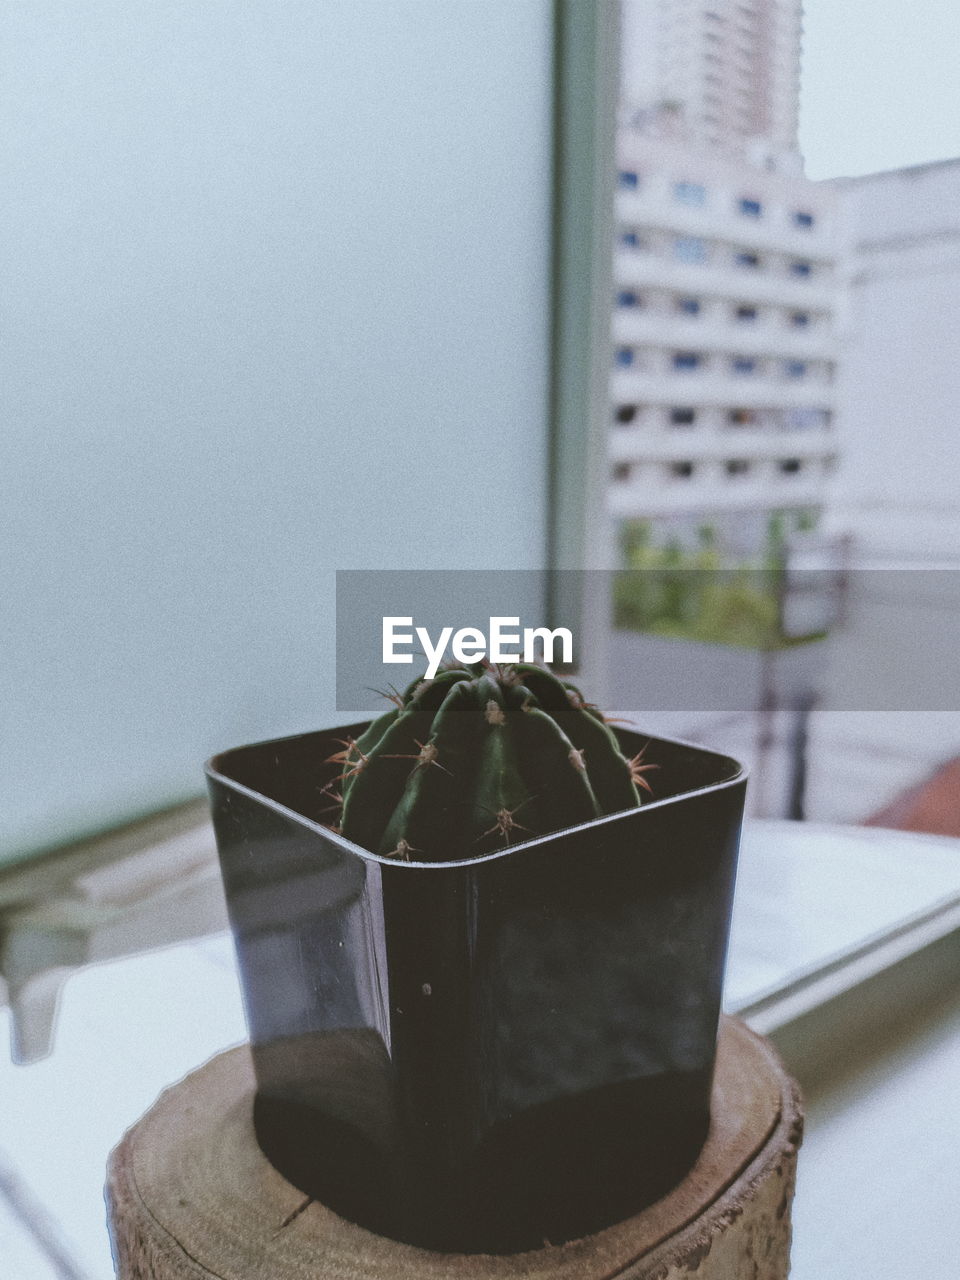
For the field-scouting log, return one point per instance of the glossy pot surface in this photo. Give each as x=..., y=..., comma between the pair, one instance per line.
x=479, y=1055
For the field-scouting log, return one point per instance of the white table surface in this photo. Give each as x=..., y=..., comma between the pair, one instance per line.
x=129, y=1027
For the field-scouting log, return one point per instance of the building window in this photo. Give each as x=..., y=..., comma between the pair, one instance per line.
x=690, y=249
x=624, y=357
x=801, y=268
x=743, y=364
x=625, y=413
x=688, y=306
x=628, y=180
x=737, y=467
x=682, y=417
x=627, y=298
x=630, y=240
x=795, y=368
x=689, y=193
x=745, y=315
x=745, y=259
x=687, y=360
x=800, y=319
x=742, y=417
x=621, y=472
x=805, y=419
x=681, y=470
x=751, y=208
x=803, y=219
x=790, y=466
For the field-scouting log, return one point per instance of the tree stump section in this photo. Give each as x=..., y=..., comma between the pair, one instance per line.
x=190, y=1196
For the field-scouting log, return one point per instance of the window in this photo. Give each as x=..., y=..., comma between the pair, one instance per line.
x=745, y=315
x=800, y=319
x=737, y=467
x=628, y=180
x=795, y=368
x=627, y=298
x=624, y=357
x=682, y=417
x=687, y=360
x=790, y=466
x=690, y=249
x=743, y=364
x=625, y=413
x=801, y=268
x=170, y=650
x=742, y=417
x=745, y=259
x=681, y=470
x=803, y=219
x=630, y=240
x=688, y=306
x=805, y=419
x=621, y=472
x=689, y=193
x=751, y=208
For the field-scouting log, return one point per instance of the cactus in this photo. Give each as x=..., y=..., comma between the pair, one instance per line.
x=479, y=758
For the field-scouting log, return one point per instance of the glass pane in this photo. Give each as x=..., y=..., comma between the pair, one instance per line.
x=241, y=235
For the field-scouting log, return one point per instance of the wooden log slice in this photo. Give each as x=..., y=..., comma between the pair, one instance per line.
x=190, y=1195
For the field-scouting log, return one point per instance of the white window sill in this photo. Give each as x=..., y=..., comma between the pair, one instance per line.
x=836, y=930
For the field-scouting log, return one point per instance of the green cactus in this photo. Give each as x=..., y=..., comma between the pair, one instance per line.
x=478, y=758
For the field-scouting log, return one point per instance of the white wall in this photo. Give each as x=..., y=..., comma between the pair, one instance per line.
x=275, y=302
x=899, y=390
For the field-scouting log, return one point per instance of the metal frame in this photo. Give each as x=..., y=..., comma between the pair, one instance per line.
x=579, y=535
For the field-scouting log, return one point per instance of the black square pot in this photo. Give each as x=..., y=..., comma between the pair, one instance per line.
x=480, y=1055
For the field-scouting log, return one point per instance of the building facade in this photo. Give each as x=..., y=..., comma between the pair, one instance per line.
x=895, y=497
x=727, y=71
x=728, y=271
x=896, y=488
x=725, y=333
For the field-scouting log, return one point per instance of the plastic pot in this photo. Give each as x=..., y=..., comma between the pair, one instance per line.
x=480, y=1055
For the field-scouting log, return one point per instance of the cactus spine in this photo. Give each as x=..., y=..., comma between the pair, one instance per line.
x=479, y=758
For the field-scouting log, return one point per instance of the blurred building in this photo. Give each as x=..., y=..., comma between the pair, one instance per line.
x=729, y=68
x=727, y=273
x=899, y=395
x=725, y=333
x=895, y=497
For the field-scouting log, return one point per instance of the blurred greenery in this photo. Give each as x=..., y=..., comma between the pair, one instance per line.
x=699, y=592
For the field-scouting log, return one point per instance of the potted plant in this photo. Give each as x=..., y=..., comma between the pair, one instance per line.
x=483, y=990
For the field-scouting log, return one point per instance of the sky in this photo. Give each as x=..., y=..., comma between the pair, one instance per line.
x=880, y=84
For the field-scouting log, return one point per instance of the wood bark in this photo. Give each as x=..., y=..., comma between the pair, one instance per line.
x=191, y=1197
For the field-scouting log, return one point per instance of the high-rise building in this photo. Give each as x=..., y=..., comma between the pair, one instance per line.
x=726, y=71
x=725, y=334
x=727, y=271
